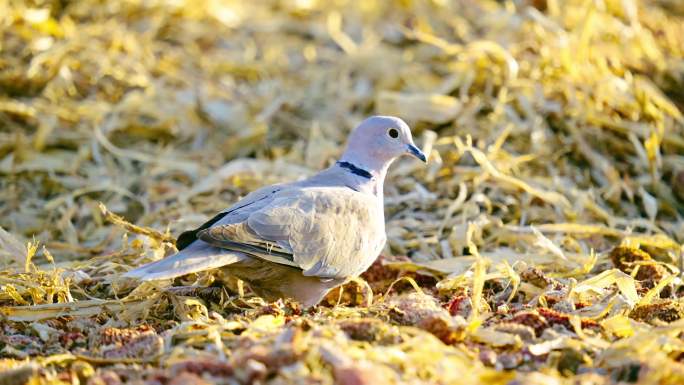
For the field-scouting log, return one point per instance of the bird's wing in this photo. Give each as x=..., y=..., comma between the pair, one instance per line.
x=328, y=232
x=236, y=213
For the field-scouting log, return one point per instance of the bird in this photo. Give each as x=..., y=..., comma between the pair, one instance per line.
x=301, y=239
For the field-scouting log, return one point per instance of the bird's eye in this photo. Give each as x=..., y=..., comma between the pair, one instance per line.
x=393, y=133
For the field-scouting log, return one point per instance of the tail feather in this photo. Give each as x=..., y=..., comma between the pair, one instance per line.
x=197, y=257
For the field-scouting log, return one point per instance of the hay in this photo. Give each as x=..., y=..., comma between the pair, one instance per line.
x=555, y=136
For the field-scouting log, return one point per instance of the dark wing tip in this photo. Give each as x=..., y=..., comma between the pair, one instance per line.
x=186, y=238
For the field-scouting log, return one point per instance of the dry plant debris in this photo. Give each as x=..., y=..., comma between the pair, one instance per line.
x=541, y=245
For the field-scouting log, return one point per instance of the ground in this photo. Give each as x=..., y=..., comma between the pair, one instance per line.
x=542, y=243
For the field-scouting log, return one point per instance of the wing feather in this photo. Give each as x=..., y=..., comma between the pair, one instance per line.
x=238, y=237
x=238, y=212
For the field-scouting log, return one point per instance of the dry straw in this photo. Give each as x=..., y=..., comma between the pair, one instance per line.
x=543, y=236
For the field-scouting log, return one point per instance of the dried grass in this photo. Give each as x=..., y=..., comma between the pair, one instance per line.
x=555, y=136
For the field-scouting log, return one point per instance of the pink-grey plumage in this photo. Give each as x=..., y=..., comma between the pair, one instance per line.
x=301, y=239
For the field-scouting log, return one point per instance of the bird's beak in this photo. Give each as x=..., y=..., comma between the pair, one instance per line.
x=415, y=151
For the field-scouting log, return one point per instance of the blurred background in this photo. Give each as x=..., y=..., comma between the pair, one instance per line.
x=546, y=230
x=540, y=112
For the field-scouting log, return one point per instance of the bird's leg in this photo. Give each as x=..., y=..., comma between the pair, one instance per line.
x=210, y=294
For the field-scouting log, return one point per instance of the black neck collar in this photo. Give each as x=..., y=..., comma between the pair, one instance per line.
x=355, y=170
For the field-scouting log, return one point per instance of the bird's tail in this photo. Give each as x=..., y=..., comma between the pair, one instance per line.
x=197, y=257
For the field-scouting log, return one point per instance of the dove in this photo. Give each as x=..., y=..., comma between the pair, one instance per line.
x=300, y=239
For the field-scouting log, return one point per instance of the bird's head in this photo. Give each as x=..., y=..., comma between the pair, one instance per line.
x=378, y=140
